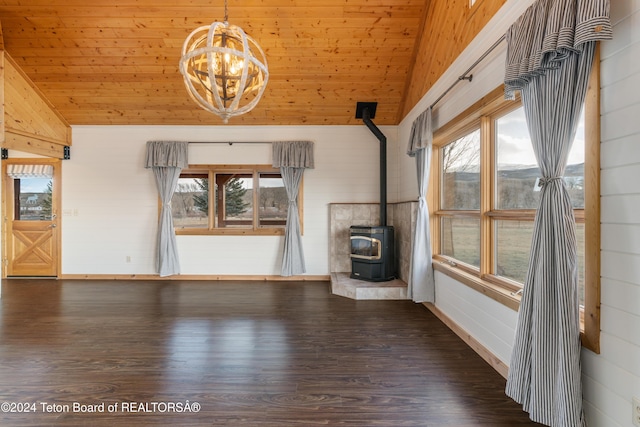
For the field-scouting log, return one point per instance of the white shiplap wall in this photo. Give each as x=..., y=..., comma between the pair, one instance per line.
x=110, y=204
x=611, y=378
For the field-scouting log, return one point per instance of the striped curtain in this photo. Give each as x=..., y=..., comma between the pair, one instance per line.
x=166, y=159
x=292, y=157
x=549, y=57
x=421, y=286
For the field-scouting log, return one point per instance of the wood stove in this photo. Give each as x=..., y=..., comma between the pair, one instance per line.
x=372, y=253
x=373, y=247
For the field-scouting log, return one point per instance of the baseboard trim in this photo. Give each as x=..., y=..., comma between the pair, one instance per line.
x=482, y=351
x=264, y=278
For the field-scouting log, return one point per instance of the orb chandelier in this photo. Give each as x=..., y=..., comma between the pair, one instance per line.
x=224, y=70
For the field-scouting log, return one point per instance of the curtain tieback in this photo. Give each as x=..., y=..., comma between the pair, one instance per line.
x=547, y=180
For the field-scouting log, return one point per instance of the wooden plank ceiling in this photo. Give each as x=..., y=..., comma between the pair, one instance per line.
x=116, y=61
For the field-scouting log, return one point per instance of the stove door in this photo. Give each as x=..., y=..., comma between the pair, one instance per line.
x=364, y=247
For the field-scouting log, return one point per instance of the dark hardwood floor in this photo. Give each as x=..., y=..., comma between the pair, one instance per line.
x=154, y=353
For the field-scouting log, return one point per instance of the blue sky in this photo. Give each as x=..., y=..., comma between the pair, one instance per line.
x=33, y=185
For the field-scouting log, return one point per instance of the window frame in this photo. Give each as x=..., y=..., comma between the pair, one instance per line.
x=256, y=229
x=456, y=134
x=502, y=289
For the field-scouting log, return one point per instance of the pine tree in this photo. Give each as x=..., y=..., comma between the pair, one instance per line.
x=201, y=199
x=234, y=193
x=46, y=202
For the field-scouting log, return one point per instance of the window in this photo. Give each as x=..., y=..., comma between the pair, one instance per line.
x=517, y=194
x=227, y=199
x=484, y=196
x=460, y=199
x=32, y=201
x=33, y=190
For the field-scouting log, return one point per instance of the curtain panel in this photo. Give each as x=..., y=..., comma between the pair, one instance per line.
x=421, y=286
x=292, y=157
x=549, y=57
x=166, y=159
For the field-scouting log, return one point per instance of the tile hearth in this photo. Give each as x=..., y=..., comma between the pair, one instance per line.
x=342, y=284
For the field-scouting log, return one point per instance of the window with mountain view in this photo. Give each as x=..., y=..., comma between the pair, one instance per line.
x=488, y=196
x=230, y=200
x=517, y=194
x=484, y=192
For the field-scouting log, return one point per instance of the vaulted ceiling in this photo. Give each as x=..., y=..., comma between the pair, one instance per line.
x=116, y=61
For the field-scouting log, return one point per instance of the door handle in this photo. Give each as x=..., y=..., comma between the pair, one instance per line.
x=53, y=225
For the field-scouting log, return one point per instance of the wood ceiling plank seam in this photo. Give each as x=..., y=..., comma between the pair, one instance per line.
x=146, y=24
x=216, y=13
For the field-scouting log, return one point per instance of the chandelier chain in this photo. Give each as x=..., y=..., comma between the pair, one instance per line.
x=226, y=13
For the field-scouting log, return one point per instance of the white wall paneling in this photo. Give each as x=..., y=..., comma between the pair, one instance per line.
x=110, y=203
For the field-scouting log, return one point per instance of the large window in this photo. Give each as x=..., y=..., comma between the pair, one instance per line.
x=485, y=195
x=226, y=199
x=517, y=194
x=460, y=199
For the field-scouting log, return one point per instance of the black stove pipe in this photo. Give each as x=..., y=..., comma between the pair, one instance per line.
x=366, y=118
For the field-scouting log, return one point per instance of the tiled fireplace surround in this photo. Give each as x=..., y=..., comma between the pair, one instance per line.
x=402, y=216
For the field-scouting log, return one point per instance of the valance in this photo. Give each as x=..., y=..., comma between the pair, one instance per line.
x=421, y=133
x=293, y=154
x=29, y=171
x=167, y=154
x=547, y=33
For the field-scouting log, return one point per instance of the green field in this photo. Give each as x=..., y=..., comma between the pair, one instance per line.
x=461, y=240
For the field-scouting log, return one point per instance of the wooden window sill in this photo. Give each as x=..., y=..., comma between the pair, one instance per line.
x=496, y=292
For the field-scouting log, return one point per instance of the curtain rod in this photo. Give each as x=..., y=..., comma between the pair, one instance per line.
x=229, y=142
x=464, y=75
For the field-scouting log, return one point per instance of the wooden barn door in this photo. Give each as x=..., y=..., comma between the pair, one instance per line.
x=31, y=234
